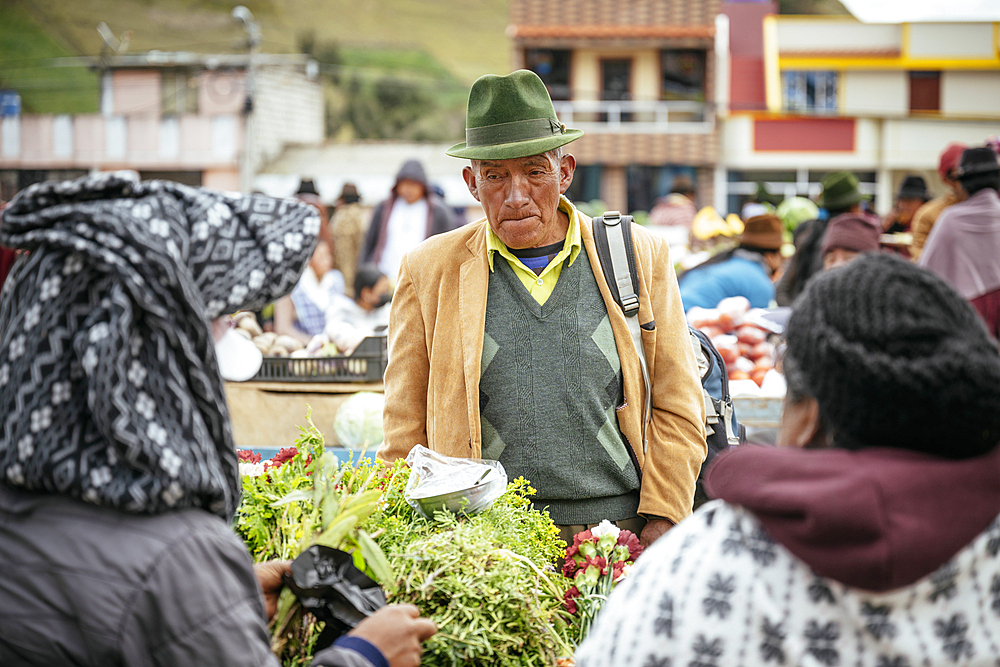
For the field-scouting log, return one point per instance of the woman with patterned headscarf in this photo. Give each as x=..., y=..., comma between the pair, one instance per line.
x=118, y=470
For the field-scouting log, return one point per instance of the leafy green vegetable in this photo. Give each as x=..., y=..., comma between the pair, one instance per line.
x=489, y=581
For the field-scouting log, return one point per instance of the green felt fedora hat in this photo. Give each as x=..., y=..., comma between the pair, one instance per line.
x=840, y=190
x=511, y=117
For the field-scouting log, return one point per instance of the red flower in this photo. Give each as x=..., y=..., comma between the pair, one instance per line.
x=581, y=537
x=569, y=598
x=616, y=570
x=284, y=455
x=572, y=551
x=247, y=456
x=601, y=563
x=627, y=538
x=569, y=567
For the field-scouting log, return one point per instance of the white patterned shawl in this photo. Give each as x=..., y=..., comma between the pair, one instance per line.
x=109, y=384
x=717, y=591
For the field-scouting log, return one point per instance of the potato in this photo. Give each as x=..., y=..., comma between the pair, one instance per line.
x=288, y=342
x=250, y=325
x=277, y=351
x=268, y=338
x=242, y=315
x=244, y=333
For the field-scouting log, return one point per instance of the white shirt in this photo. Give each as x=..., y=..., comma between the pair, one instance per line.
x=406, y=228
x=347, y=323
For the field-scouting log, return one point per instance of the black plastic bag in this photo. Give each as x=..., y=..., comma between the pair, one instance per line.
x=330, y=587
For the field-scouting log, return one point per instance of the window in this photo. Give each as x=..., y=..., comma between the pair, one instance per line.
x=586, y=185
x=646, y=184
x=925, y=91
x=552, y=67
x=810, y=91
x=179, y=92
x=682, y=75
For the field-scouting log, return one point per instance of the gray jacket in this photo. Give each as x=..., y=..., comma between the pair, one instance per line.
x=86, y=585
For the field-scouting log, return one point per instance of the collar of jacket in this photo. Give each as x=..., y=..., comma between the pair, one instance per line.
x=572, y=244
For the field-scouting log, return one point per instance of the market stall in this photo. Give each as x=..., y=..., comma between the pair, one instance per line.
x=267, y=414
x=289, y=382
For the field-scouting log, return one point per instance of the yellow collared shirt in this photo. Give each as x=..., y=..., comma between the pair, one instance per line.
x=540, y=286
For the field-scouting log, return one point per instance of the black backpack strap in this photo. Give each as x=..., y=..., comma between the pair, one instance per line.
x=613, y=237
x=616, y=251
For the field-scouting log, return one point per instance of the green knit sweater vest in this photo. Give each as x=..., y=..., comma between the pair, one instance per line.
x=551, y=380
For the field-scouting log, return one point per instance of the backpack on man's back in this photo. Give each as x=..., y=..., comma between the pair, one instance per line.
x=615, y=249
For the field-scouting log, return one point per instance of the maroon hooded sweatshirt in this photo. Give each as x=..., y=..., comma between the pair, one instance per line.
x=875, y=519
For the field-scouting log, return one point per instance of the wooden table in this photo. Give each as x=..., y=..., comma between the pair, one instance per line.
x=269, y=414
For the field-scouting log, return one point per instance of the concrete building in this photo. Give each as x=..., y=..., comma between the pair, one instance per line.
x=179, y=116
x=643, y=79
x=813, y=94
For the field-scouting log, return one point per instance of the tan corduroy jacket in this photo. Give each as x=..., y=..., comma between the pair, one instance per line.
x=436, y=343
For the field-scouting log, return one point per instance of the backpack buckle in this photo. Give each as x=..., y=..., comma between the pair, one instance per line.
x=612, y=217
x=630, y=305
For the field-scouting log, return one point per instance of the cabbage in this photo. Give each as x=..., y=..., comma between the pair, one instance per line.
x=795, y=210
x=358, y=423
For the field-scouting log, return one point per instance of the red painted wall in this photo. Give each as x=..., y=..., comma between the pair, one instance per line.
x=746, y=48
x=804, y=134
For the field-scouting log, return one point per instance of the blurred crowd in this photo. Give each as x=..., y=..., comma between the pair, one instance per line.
x=766, y=253
x=771, y=253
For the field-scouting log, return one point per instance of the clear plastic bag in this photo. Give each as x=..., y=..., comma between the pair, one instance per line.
x=445, y=483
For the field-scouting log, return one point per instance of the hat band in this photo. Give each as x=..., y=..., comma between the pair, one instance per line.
x=518, y=130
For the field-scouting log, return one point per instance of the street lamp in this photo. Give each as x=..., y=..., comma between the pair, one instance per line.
x=252, y=28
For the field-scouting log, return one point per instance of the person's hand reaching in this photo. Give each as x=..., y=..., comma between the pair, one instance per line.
x=269, y=576
x=398, y=631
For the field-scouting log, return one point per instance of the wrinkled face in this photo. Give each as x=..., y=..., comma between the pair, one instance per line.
x=838, y=257
x=521, y=197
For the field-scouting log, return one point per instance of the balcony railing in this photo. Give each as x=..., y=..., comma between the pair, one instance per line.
x=139, y=142
x=637, y=117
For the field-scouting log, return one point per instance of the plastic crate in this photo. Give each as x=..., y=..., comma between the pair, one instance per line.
x=366, y=364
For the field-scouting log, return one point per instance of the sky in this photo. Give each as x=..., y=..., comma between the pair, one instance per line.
x=897, y=11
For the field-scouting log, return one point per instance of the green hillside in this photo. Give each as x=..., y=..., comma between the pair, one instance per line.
x=26, y=47
x=435, y=43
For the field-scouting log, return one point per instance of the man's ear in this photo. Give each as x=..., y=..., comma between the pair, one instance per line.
x=567, y=166
x=470, y=181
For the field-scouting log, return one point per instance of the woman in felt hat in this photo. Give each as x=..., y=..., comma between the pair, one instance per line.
x=964, y=245
x=840, y=195
x=745, y=271
x=912, y=195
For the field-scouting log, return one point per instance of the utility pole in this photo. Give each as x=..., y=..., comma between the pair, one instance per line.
x=241, y=13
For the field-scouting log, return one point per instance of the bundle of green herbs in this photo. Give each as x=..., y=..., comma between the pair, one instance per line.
x=489, y=581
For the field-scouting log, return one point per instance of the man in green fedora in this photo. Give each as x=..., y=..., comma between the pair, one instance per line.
x=505, y=342
x=840, y=195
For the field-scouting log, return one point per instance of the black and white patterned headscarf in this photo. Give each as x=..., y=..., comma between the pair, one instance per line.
x=109, y=384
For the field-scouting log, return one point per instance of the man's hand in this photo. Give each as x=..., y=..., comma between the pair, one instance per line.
x=269, y=579
x=397, y=630
x=654, y=530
